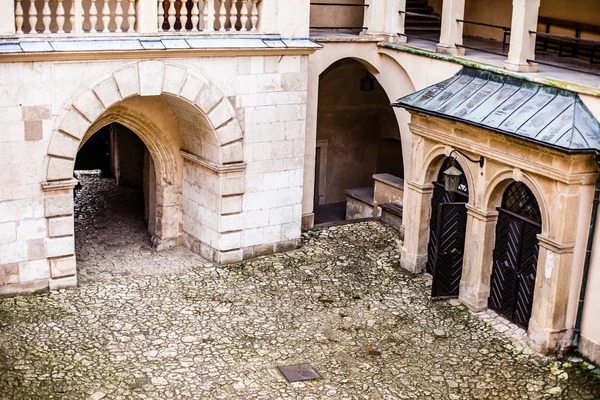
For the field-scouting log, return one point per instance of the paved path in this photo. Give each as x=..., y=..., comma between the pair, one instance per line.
x=186, y=329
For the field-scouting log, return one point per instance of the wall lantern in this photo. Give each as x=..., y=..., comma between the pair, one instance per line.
x=452, y=175
x=367, y=84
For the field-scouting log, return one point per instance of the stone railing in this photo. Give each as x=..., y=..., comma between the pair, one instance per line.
x=56, y=17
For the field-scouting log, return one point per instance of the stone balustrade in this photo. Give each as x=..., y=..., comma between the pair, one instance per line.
x=98, y=17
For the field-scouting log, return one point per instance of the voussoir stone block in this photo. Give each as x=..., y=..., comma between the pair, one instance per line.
x=192, y=87
x=74, y=124
x=64, y=266
x=232, y=153
x=128, y=81
x=229, y=133
x=59, y=168
x=151, y=77
x=63, y=145
x=221, y=114
x=108, y=92
x=88, y=104
x=209, y=98
x=174, y=77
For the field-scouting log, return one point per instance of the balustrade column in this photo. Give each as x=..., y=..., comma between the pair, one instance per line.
x=522, y=43
x=11, y=21
x=452, y=30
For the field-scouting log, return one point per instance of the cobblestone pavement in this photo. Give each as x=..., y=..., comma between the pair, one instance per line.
x=192, y=330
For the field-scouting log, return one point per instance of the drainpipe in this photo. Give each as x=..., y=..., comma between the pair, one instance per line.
x=588, y=256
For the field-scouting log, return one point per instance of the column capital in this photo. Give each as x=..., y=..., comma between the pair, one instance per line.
x=554, y=246
x=419, y=187
x=482, y=215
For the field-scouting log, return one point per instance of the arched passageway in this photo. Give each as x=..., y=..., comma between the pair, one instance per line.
x=357, y=136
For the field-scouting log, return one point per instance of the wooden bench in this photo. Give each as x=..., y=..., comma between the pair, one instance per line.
x=573, y=46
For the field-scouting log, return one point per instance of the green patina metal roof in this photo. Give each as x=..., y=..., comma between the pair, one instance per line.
x=533, y=112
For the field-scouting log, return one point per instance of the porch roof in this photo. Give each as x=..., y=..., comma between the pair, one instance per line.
x=533, y=112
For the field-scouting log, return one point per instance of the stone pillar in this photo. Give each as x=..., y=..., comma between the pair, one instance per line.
x=478, y=259
x=452, y=30
x=168, y=217
x=417, y=206
x=383, y=18
x=147, y=16
x=522, y=43
x=288, y=18
x=547, y=326
x=60, y=243
x=310, y=145
x=7, y=17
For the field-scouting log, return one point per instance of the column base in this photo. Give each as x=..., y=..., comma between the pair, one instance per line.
x=476, y=300
x=308, y=221
x=397, y=39
x=521, y=67
x=549, y=341
x=69, y=282
x=414, y=263
x=450, y=50
x=160, y=244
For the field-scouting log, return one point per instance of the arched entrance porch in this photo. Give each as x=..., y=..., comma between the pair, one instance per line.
x=193, y=136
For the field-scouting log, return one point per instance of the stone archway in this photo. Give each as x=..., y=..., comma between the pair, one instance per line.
x=219, y=170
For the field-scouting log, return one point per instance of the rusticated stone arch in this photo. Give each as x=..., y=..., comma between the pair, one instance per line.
x=146, y=78
x=434, y=160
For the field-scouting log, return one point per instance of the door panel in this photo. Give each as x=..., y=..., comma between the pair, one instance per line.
x=448, y=260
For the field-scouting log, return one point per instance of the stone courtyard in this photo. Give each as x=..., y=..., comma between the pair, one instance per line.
x=146, y=325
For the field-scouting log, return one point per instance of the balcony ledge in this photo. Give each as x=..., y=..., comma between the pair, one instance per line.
x=135, y=46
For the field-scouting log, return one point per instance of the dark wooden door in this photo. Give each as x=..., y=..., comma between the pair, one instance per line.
x=449, y=251
x=514, y=266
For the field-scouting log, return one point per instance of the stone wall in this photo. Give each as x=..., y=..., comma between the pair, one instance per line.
x=244, y=164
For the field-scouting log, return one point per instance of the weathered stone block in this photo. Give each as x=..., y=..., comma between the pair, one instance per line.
x=128, y=81
x=173, y=81
x=61, y=226
x=74, y=124
x=59, y=169
x=60, y=205
x=88, y=105
x=192, y=87
x=33, y=270
x=221, y=114
x=232, y=153
x=58, y=247
x=36, y=249
x=230, y=241
x=33, y=130
x=108, y=92
x=231, y=205
x=8, y=232
x=63, y=145
x=209, y=98
x=13, y=252
x=232, y=185
x=63, y=283
x=24, y=288
x=36, y=113
x=11, y=273
x=151, y=78
x=230, y=223
x=64, y=266
x=229, y=257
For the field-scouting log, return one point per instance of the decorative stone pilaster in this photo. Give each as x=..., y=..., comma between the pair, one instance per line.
x=60, y=243
x=522, y=42
x=547, y=327
x=416, y=225
x=147, y=16
x=7, y=17
x=382, y=18
x=452, y=30
x=478, y=258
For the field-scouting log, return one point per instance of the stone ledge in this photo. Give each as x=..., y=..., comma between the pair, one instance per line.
x=16, y=289
x=66, y=184
x=219, y=169
x=270, y=248
x=390, y=180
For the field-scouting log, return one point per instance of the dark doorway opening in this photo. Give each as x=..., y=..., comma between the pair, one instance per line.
x=516, y=254
x=447, y=229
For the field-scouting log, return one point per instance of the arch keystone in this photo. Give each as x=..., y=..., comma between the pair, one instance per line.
x=128, y=81
x=151, y=77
